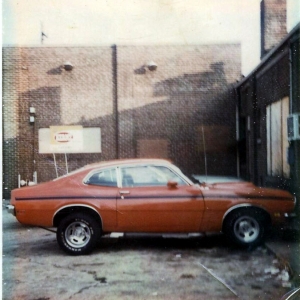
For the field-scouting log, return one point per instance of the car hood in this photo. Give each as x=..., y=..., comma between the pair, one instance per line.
x=246, y=190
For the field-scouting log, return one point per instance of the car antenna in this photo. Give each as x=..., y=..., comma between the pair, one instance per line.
x=204, y=148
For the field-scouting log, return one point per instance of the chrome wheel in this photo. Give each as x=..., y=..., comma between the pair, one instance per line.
x=246, y=229
x=77, y=234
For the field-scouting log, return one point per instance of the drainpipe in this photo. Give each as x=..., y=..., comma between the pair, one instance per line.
x=291, y=79
x=237, y=128
x=255, y=133
x=115, y=97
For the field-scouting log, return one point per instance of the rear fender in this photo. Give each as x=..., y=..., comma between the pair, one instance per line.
x=67, y=209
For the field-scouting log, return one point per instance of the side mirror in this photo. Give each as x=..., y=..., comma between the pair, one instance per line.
x=172, y=184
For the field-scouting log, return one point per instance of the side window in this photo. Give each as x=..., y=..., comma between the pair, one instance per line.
x=103, y=178
x=137, y=176
x=148, y=176
x=166, y=174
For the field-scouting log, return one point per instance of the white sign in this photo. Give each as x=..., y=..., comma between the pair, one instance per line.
x=66, y=139
x=69, y=139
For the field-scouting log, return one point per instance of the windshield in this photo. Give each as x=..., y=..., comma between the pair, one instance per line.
x=192, y=178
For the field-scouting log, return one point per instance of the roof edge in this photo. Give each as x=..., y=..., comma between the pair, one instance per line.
x=269, y=54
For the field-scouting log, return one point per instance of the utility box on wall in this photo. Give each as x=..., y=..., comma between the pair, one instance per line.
x=293, y=123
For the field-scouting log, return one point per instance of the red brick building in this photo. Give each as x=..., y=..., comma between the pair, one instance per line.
x=141, y=112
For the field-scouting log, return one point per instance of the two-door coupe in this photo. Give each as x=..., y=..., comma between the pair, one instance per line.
x=149, y=196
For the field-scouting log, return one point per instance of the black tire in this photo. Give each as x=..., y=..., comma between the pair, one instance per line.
x=78, y=233
x=246, y=227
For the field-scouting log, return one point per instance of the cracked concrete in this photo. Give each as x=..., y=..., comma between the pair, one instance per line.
x=34, y=268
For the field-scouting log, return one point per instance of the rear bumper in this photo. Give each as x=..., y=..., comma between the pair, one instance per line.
x=11, y=209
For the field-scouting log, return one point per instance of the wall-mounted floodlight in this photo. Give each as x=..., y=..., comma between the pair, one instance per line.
x=68, y=66
x=152, y=66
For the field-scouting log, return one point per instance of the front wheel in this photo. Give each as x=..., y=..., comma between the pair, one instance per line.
x=246, y=228
x=78, y=233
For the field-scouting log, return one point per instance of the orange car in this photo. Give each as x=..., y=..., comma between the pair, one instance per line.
x=146, y=195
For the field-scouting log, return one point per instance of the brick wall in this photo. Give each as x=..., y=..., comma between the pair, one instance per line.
x=190, y=90
x=191, y=87
x=36, y=77
x=11, y=69
x=273, y=27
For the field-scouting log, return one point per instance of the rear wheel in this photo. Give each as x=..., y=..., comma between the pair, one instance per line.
x=246, y=227
x=78, y=233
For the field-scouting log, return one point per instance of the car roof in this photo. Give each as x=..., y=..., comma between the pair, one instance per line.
x=133, y=161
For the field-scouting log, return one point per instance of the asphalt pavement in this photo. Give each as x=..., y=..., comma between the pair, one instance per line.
x=284, y=243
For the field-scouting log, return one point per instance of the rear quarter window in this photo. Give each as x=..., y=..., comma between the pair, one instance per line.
x=106, y=177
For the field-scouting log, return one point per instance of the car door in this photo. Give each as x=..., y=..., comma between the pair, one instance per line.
x=102, y=190
x=156, y=199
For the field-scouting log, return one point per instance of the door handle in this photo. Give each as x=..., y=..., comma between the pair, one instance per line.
x=122, y=193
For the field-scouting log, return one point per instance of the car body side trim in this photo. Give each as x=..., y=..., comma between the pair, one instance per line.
x=111, y=198
x=64, y=197
x=244, y=197
x=206, y=197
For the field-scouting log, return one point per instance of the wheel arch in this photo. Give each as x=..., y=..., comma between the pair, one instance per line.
x=251, y=207
x=73, y=208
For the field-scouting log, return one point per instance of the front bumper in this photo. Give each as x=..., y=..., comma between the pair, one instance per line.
x=11, y=209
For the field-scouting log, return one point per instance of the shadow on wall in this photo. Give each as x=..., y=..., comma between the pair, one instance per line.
x=55, y=71
x=46, y=101
x=197, y=106
x=10, y=166
x=194, y=104
x=196, y=83
x=172, y=128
